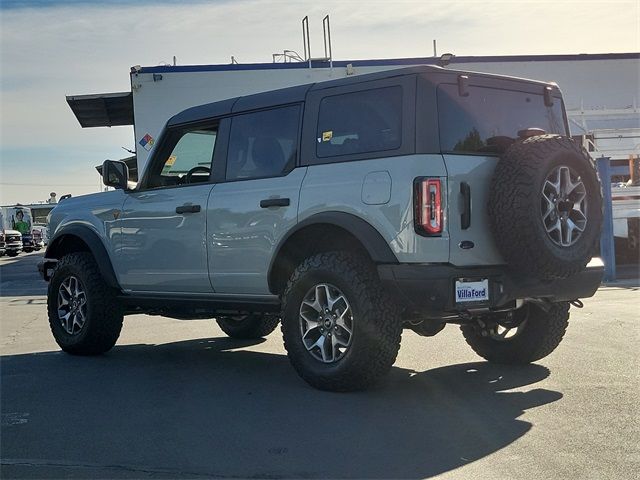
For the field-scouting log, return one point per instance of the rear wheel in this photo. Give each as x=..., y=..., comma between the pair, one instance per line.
x=248, y=326
x=341, y=331
x=85, y=315
x=528, y=334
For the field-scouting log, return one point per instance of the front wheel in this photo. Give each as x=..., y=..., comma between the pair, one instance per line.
x=341, y=331
x=528, y=334
x=85, y=315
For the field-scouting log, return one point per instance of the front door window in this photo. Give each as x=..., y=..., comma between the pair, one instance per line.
x=188, y=162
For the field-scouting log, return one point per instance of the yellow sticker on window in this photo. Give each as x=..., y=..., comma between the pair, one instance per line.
x=327, y=136
x=168, y=164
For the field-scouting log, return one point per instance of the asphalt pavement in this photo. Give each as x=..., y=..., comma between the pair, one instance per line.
x=177, y=399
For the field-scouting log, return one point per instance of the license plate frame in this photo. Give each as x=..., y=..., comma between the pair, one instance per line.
x=471, y=291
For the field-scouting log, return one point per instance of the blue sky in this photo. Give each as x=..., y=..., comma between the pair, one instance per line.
x=49, y=49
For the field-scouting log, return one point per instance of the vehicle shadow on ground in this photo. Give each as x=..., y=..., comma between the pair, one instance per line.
x=208, y=408
x=19, y=276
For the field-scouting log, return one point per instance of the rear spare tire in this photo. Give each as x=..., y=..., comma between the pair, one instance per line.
x=545, y=206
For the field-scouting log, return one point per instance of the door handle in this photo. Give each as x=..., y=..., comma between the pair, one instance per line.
x=188, y=209
x=465, y=217
x=274, y=202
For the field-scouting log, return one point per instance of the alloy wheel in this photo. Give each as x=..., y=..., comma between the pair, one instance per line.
x=564, y=206
x=72, y=305
x=326, y=323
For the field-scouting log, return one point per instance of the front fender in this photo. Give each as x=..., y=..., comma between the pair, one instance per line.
x=66, y=240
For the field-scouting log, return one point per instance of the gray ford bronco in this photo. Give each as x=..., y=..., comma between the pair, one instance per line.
x=347, y=211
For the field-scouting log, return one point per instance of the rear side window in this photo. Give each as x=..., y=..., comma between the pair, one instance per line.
x=263, y=144
x=360, y=122
x=488, y=120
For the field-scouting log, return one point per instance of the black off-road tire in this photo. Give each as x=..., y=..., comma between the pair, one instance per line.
x=541, y=333
x=377, y=327
x=248, y=326
x=104, y=312
x=515, y=207
x=12, y=253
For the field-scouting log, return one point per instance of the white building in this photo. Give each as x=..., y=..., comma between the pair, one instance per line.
x=601, y=91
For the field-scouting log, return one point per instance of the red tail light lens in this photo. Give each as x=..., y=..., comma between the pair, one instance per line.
x=428, y=206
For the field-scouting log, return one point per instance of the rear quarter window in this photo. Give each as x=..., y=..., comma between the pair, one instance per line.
x=488, y=119
x=360, y=122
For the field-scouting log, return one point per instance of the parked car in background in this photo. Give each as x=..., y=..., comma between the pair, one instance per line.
x=38, y=240
x=28, y=244
x=12, y=242
x=40, y=215
x=43, y=230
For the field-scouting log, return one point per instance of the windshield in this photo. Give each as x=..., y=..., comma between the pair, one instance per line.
x=488, y=120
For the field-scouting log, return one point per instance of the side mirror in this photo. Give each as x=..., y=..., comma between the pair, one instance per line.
x=115, y=174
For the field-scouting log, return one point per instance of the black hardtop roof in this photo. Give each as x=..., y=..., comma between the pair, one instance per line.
x=298, y=93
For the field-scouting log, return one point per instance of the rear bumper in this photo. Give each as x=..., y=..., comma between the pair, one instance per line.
x=430, y=289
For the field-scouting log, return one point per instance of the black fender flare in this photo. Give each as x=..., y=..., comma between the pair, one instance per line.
x=373, y=242
x=55, y=249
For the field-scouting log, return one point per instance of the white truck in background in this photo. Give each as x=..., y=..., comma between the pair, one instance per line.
x=10, y=238
x=625, y=199
x=622, y=146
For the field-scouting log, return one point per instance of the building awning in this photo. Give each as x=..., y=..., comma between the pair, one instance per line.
x=102, y=109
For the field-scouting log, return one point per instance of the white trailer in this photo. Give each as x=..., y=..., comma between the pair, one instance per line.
x=159, y=92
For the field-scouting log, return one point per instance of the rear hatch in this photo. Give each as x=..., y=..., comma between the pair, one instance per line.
x=477, y=123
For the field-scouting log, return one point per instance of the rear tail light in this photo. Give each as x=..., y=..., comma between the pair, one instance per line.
x=427, y=198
